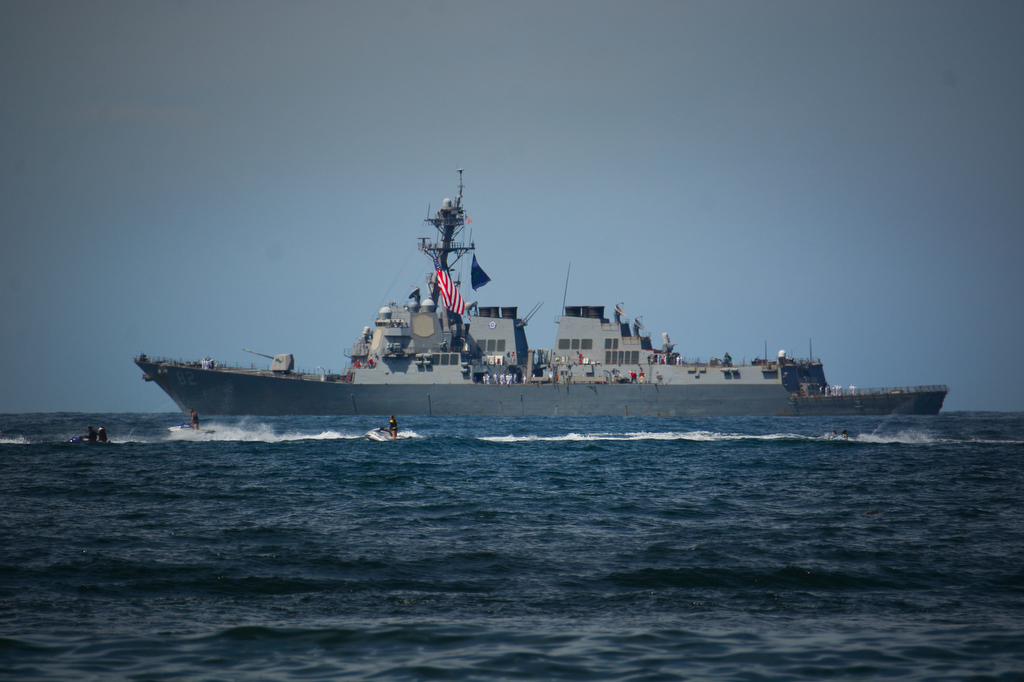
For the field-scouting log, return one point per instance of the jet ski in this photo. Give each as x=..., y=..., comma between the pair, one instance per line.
x=381, y=434
x=187, y=426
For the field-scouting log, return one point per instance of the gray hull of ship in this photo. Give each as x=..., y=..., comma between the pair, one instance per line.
x=228, y=392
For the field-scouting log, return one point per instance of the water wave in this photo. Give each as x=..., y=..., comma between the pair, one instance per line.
x=514, y=650
x=264, y=433
x=290, y=548
x=903, y=437
x=703, y=436
x=256, y=433
x=13, y=440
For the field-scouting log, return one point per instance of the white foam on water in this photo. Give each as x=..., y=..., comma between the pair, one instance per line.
x=13, y=440
x=698, y=436
x=401, y=435
x=255, y=433
x=907, y=437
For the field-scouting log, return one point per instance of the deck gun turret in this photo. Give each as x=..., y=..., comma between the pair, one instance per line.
x=283, y=363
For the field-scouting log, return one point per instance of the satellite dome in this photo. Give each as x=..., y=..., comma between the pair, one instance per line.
x=447, y=203
x=384, y=313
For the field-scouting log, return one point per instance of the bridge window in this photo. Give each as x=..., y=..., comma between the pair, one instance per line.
x=586, y=344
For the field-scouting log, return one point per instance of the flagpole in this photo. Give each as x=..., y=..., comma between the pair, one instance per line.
x=566, y=292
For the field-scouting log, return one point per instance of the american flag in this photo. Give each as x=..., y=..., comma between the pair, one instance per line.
x=452, y=300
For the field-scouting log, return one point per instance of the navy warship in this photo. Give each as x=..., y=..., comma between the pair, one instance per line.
x=435, y=355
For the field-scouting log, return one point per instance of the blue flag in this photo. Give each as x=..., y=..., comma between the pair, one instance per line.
x=477, y=275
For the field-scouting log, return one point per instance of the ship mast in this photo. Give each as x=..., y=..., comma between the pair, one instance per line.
x=449, y=221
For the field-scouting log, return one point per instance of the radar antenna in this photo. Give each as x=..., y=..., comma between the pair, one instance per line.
x=450, y=221
x=638, y=326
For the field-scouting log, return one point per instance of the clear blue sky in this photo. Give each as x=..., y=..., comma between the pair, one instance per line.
x=190, y=178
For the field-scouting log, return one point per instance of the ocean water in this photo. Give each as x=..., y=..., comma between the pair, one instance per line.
x=530, y=548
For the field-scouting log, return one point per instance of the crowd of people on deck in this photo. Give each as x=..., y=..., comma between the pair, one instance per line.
x=502, y=378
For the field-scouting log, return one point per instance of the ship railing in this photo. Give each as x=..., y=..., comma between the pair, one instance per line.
x=198, y=364
x=437, y=247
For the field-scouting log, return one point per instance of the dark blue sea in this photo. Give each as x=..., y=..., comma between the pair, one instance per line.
x=508, y=549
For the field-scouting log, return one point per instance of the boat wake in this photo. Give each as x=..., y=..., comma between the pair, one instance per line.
x=904, y=437
x=907, y=437
x=264, y=433
x=256, y=433
x=13, y=440
x=915, y=437
x=700, y=436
